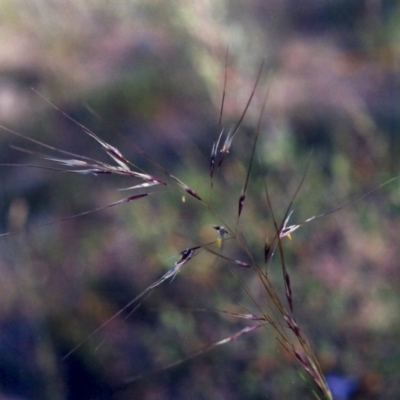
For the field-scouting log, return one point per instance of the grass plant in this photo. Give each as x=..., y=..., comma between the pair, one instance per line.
x=251, y=254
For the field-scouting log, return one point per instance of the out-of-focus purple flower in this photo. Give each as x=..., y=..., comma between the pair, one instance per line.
x=342, y=387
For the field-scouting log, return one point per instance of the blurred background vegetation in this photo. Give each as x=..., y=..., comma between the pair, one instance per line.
x=150, y=74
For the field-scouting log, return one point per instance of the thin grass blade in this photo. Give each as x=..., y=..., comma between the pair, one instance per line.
x=253, y=151
x=124, y=200
x=204, y=350
x=231, y=260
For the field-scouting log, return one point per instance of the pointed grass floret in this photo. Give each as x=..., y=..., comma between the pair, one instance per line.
x=214, y=154
x=229, y=139
x=185, y=256
x=185, y=187
x=253, y=151
x=268, y=250
x=220, y=130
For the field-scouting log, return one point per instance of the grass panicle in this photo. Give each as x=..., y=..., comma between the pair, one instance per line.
x=274, y=311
